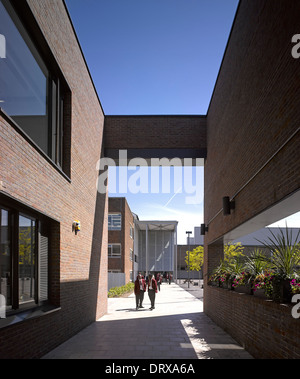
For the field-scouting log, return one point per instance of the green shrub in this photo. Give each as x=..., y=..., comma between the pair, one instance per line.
x=119, y=291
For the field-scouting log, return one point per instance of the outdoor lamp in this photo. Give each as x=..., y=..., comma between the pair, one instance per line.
x=204, y=228
x=228, y=205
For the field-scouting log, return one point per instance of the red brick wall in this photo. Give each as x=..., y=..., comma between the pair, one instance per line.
x=155, y=136
x=264, y=328
x=29, y=178
x=253, y=156
x=253, y=112
x=125, y=132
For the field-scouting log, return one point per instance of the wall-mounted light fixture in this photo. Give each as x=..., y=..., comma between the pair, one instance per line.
x=228, y=205
x=203, y=228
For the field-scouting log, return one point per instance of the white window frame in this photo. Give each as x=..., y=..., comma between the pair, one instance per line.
x=110, y=250
x=114, y=218
x=131, y=232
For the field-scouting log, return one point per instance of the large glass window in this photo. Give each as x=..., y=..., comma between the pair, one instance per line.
x=29, y=93
x=114, y=221
x=24, y=244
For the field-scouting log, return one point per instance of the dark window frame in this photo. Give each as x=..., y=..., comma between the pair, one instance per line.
x=9, y=222
x=15, y=211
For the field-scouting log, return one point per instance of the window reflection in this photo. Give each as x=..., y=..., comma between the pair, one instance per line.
x=23, y=79
x=26, y=259
x=114, y=221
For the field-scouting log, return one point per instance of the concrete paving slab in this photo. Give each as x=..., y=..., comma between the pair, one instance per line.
x=176, y=329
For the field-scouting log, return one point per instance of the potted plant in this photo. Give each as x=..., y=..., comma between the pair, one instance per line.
x=212, y=280
x=220, y=275
x=243, y=283
x=285, y=256
x=236, y=272
x=263, y=284
x=295, y=285
x=255, y=265
x=215, y=277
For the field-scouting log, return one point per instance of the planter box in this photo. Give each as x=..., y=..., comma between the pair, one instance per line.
x=222, y=285
x=260, y=293
x=244, y=289
x=228, y=285
x=282, y=292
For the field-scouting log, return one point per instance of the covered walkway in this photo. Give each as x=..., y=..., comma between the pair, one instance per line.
x=176, y=329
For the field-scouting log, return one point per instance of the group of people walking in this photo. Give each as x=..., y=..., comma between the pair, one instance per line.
x=150, y=284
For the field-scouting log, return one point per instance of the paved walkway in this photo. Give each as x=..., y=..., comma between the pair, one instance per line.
x=176, y=329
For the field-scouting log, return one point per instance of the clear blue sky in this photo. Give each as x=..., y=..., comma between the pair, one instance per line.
x=155, y=57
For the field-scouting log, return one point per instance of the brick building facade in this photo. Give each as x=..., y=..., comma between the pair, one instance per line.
x=39, y=187
x=253, y=156
x=56, y=281
x=120, y=237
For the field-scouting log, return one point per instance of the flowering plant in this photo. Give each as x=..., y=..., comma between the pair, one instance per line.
x=220, y=277
x=223, y=277
x=221, y=274
x=242, y=279
x=264, y=281
x=295, y=286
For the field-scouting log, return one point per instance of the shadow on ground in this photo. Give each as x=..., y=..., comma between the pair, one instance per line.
x=180, y=336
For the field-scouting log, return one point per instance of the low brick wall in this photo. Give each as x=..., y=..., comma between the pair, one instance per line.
x=264, y=328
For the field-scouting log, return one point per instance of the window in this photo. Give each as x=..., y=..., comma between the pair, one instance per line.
x=23, y=259
x=30, y=93
x=114, y=221
x=114, y=251
x=131, y=255
x=131, y=231
x=5, y=256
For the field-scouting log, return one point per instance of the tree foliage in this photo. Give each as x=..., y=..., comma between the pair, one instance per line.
x=196, y=259
x=233, y=251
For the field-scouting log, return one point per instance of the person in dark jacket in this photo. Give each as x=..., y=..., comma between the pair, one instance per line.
x=158, y=281
x=152, y=290
x=139, y=291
